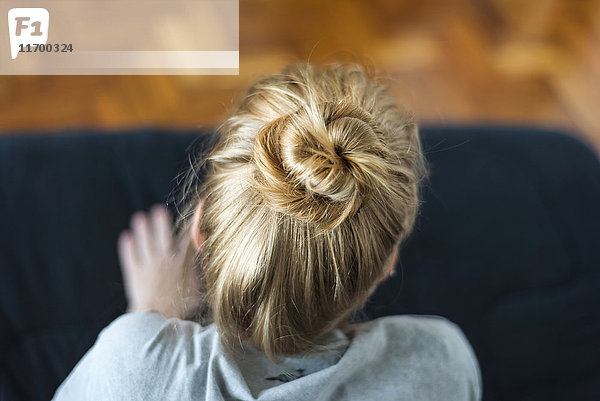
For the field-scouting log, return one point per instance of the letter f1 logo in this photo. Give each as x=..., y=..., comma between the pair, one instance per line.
x=27, y=26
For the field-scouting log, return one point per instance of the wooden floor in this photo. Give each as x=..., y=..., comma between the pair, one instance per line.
x=451, y=61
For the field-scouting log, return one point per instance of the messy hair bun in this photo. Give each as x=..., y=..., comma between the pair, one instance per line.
x=310, y=188
x=319, y=163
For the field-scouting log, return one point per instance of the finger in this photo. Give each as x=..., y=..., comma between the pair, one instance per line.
x=126, y=255
x=182, y=242
x=142, y=240
x=163, y=227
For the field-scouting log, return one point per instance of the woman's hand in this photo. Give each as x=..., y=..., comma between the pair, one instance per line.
x=153, y=265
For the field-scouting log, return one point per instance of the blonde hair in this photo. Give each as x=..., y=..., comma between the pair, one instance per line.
x=311, y=186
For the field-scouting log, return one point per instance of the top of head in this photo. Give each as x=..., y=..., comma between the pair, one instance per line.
x=311, y=186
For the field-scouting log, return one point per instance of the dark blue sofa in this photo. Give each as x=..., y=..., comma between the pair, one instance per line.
x=507, y=245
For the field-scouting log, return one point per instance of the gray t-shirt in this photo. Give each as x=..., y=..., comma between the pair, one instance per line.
x=143, y=356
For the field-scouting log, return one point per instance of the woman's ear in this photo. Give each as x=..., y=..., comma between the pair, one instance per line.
x=391, y=264
x=195, y=234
